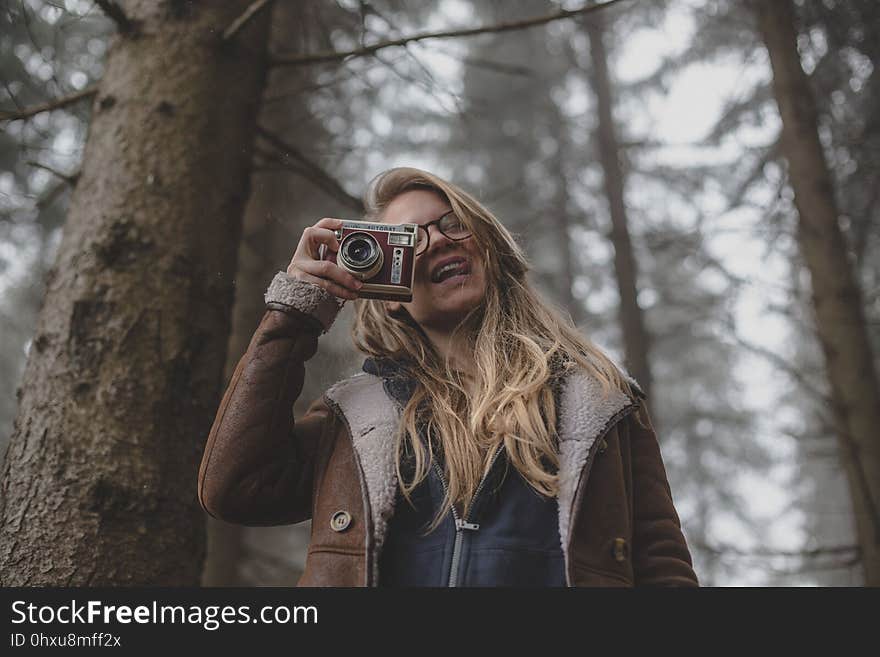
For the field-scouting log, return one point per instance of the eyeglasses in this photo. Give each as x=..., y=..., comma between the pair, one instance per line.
x=449, y=224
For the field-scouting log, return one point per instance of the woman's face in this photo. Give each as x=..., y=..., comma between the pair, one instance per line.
x=437, y=306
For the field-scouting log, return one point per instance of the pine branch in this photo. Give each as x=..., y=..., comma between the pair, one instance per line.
x=310, y=170
x=333, y=56
x=58, y=103
x=244, y=19
x=114, y=12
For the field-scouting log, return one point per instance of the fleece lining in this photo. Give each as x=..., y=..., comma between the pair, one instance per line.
x=372, y=419
x=373, y=416
x=584, y=416
x=305, y=297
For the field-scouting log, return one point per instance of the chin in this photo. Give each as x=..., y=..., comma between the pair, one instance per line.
x=462, y=308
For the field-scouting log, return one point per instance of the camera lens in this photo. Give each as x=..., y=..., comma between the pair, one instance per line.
x=359, y=251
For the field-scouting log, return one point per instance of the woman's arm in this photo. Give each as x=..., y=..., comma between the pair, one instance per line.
x=660, y=553
x=257, y=468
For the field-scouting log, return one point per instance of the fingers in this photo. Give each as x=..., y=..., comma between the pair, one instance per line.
x=314, y=236
x=305, y=264
x=329, y=222
x=333, y=288
x=322, y=233
x=336, y=277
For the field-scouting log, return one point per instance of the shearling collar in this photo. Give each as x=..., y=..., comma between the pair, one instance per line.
x=369, y=404
x=397, y=383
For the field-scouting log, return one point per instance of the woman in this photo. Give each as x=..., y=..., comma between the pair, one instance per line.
x=486, y=442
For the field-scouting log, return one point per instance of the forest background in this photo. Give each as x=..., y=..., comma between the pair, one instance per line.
x=695, y=181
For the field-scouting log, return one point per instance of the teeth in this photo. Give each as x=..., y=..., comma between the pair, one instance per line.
x=445, y=268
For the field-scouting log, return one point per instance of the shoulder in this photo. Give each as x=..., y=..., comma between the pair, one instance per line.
x=587, y=409
x=363, y=403
x=636, y=388
x=353, y=384
x=578, y=387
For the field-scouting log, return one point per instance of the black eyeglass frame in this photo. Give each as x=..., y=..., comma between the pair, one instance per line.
x=437, y=222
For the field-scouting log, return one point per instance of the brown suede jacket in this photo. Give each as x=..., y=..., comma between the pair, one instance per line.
x=335, y=465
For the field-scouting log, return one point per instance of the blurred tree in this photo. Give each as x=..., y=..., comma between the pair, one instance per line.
x=739, y=161
x=508, y=141
x=837, y=45
x=836, y=294
x=296, y=180
x=636, y=342
x=524, y=139
x=840, y=40
x=708, y=435
x=48, y=58
x=122, y=379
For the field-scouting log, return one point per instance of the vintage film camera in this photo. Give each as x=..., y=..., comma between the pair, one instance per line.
x=380, y=255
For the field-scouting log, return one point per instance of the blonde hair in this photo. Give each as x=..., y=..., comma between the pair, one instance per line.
x=522, y=347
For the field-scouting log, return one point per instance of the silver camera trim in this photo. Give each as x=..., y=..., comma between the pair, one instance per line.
x=361, y=271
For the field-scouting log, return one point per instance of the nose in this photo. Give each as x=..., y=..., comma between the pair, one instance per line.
x=436, y=239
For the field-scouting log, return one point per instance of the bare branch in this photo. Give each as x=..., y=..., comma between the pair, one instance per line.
x=782, y=364
x=113, y=11
x=311, y=170
x=468, y=60
x=731, y=550
x=498, y=67
x=334, y=56
x=68, y=178
x=806, y=569
x=55, y=192
x=58, y=103
x=11, y=95
x=244, y=19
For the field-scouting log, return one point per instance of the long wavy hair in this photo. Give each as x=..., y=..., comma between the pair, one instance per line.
x=522, y=347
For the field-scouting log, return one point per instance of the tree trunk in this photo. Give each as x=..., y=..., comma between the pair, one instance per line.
x=562, y=219
x=635, y=337
x=281, y=204
x=123, y=377
x=837, y=299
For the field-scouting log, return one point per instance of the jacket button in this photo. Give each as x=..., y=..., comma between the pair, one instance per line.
x=620, y=549
x=340, y=521
x=603, y=445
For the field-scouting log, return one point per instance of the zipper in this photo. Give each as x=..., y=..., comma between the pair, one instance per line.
x=585, y=475
x=462, y=524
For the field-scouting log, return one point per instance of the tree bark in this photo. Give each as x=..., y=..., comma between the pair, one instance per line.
x=836, y=297
x=124, y=373
x=635, y=337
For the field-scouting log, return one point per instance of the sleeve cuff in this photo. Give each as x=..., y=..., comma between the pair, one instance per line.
x=307, y=298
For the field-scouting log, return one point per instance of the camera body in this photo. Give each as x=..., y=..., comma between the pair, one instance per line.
x=380, y=255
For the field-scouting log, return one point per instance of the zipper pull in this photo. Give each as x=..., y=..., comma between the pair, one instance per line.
x=464, y=524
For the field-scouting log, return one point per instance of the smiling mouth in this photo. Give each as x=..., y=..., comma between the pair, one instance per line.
x=451, y=279
x=455, y=270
